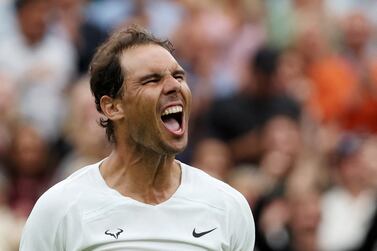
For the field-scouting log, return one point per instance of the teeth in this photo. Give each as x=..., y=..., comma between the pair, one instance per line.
x=172, y=109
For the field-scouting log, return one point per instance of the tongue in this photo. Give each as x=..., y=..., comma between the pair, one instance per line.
x=172, y=124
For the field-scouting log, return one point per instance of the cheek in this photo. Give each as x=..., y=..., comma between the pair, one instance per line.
x=143, y=102
x=187, y=95
x=186, y=88
x=144, y=113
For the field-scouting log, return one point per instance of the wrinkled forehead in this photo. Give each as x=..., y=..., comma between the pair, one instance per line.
x=145, y=59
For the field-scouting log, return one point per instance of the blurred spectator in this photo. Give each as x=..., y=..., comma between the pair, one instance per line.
x=293, y=78
x=281, y=134
x=214, y=157
x=288, y=215
x=361, y=56
x=344, y=85
x=237, y=119
x=332, y=81
x=85, y=36
x=248, y=35
x=279, y=146
x=303, y=197
x=86, y=139
x=286, y=19
x=29, y=167
x=202, y=41
x=340, y=8
x=368, y=155
x=39, y=62
x=10, y=227
x=350, y=201
x=249, y=181
x=272, y=227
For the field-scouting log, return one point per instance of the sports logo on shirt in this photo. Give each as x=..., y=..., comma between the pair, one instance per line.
x=114, y=232
x=200, y=234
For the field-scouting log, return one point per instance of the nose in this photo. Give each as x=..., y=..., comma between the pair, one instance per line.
x=171, y=85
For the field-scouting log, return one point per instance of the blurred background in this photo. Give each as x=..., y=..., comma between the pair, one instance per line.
x=284, y=109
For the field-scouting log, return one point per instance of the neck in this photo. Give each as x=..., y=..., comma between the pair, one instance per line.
x=142, y=175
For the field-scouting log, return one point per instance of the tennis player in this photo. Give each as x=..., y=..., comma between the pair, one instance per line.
x=140, y=197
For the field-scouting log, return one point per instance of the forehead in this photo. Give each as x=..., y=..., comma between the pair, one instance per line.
x=144, y=59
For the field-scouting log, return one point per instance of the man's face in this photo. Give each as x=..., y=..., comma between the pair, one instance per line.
x=33, y=18
x=156, y=100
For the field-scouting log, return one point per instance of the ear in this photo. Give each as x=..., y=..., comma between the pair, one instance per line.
x=111, y=108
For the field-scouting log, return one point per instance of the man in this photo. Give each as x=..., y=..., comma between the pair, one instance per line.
x=140, y=197
x=239, y=119
x=40, y=72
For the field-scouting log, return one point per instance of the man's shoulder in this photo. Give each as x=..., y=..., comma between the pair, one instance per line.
x=41, y=230
x=67, y=191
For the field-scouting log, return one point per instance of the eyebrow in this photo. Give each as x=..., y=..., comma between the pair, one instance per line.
x=180, y=71
x=150, y=76
x=157, y=75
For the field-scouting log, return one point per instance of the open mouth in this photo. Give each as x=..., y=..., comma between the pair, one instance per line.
x=172, y=118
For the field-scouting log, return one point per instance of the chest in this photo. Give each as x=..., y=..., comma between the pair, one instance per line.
x=130, y=226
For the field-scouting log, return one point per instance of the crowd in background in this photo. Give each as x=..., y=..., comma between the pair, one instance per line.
x=284, y=109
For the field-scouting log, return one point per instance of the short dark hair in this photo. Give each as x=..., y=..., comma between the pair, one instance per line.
x=265, y=60
x=106, y=73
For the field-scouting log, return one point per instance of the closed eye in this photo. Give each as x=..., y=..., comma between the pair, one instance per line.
x=149, y=81
x=151, y=78
x=179, y=75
